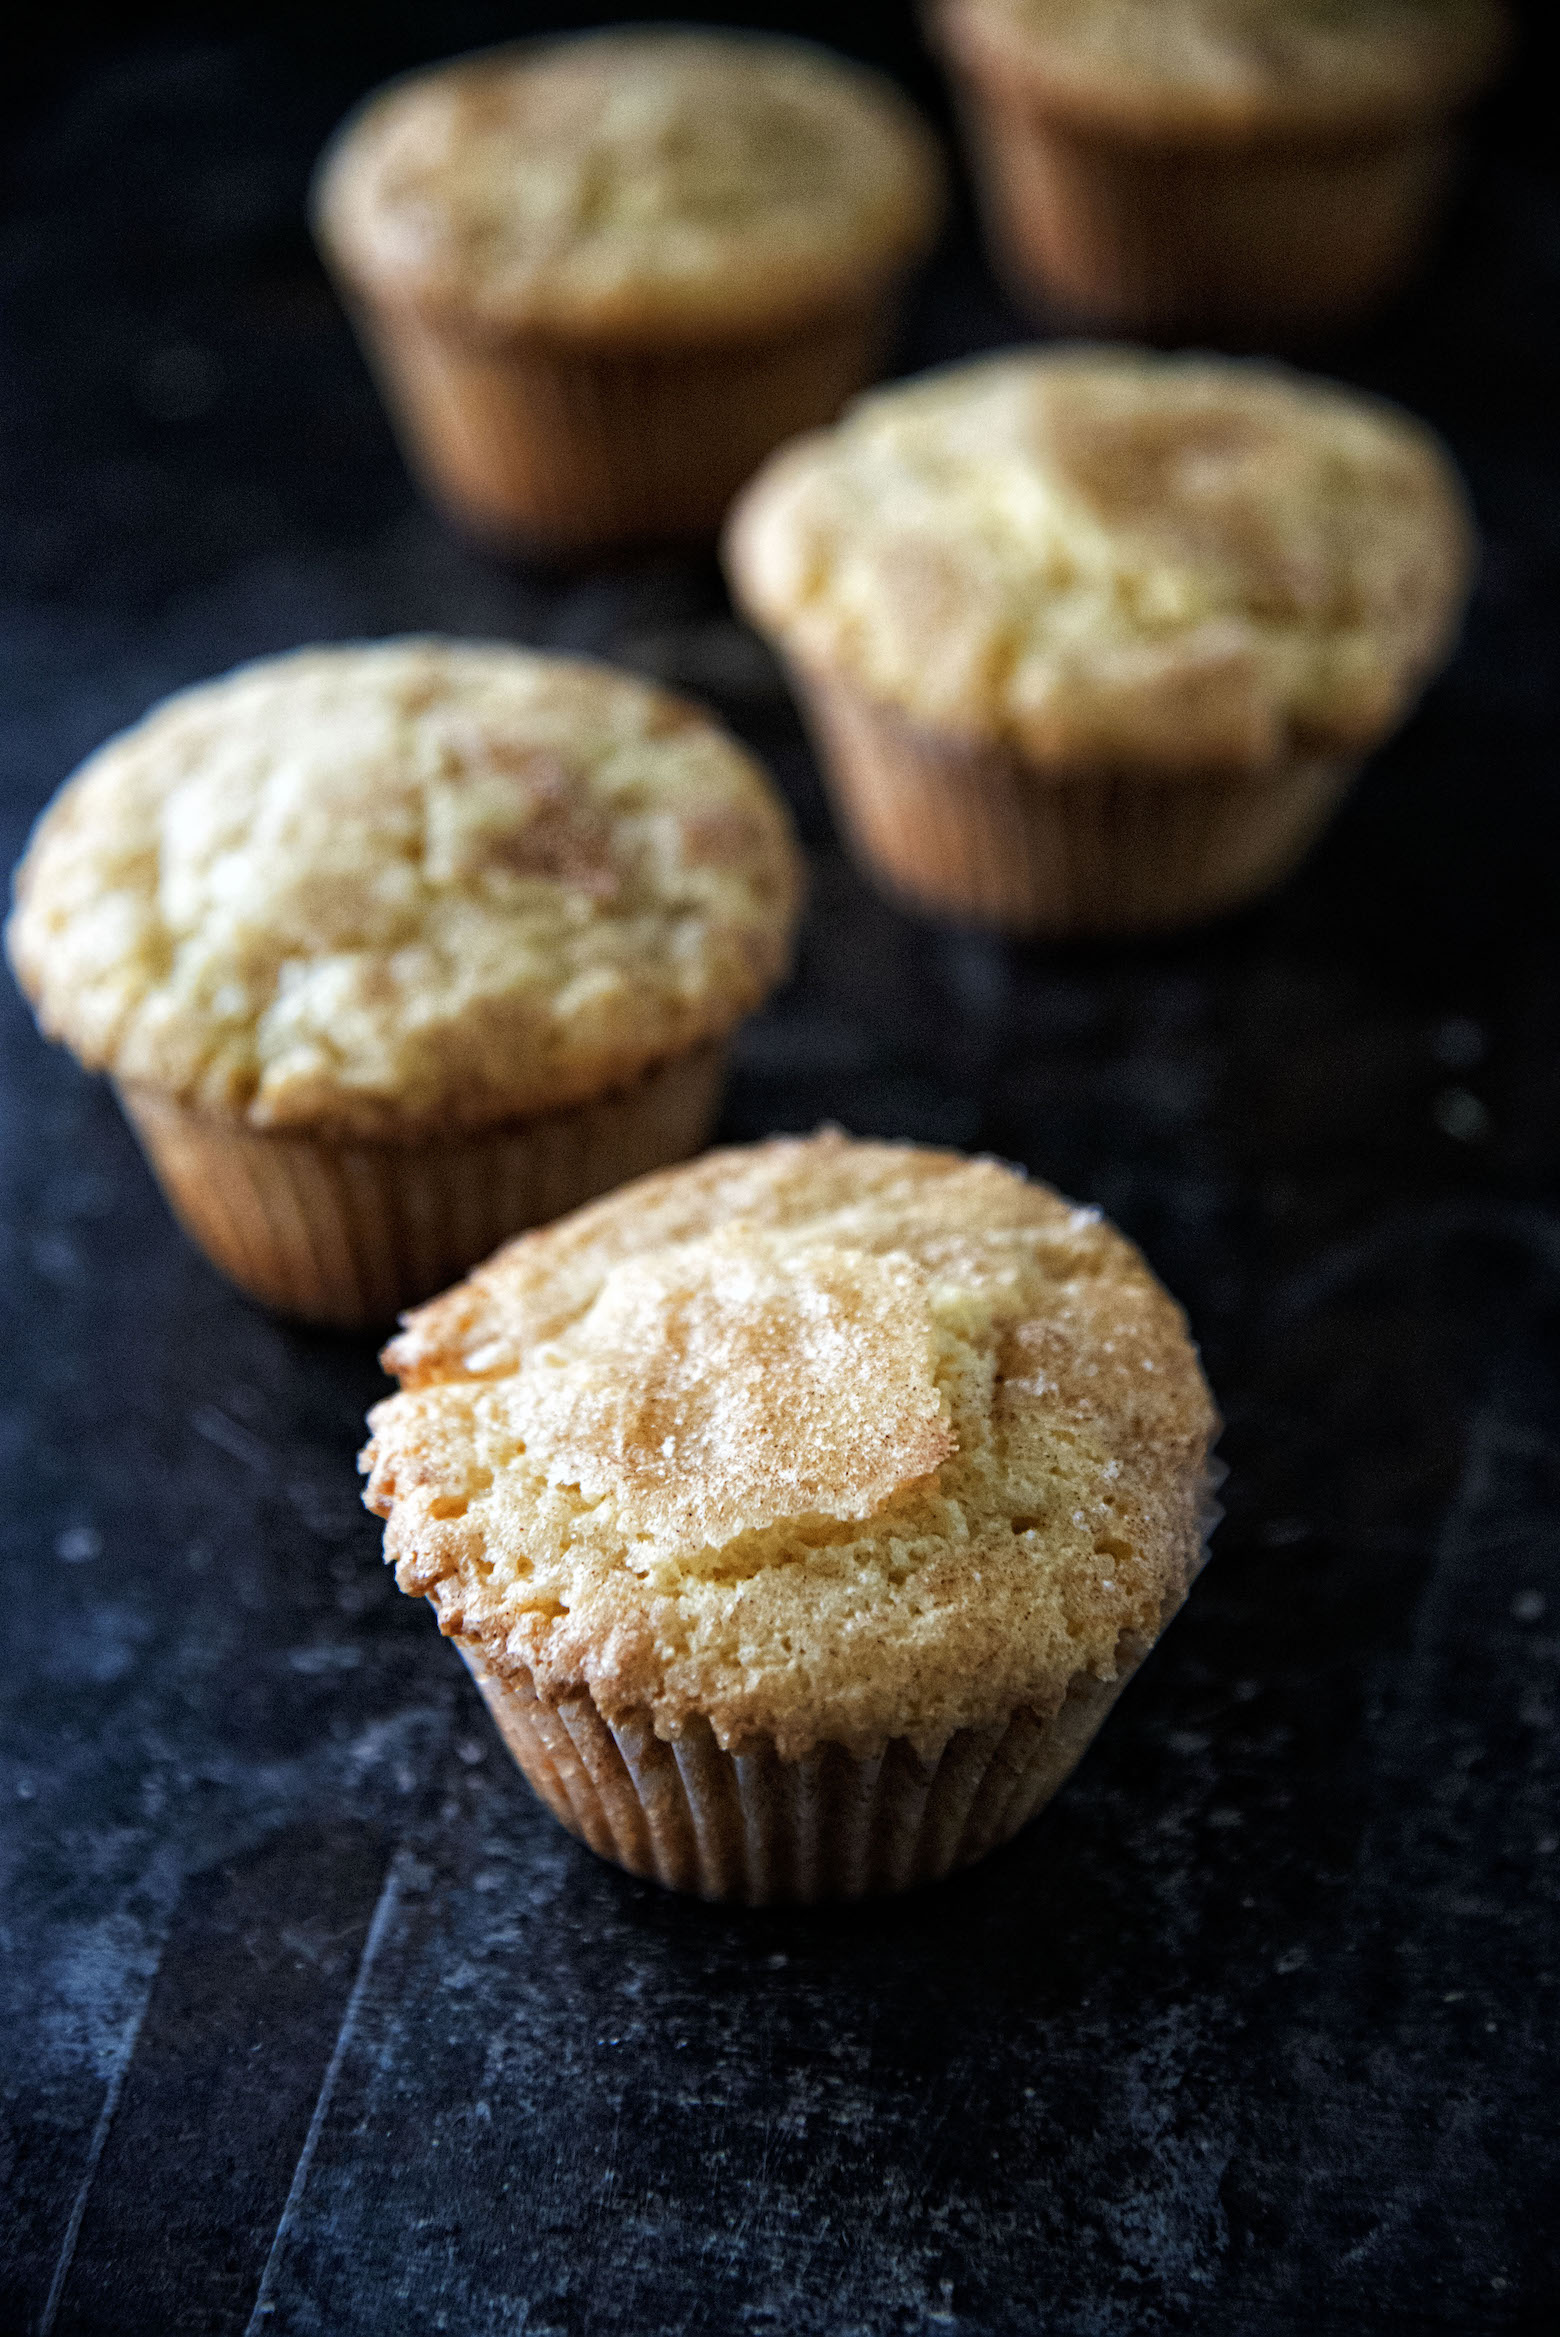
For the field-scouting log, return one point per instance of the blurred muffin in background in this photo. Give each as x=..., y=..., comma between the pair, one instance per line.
x=1092, y=640
x=1233, y=169
x=601, y=277
x=393, y=950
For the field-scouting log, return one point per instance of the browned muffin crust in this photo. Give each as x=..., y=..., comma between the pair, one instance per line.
x=1231, y=71
x=1112, y=560
x=818, y=1440
x=393, y=889
x=642, y=185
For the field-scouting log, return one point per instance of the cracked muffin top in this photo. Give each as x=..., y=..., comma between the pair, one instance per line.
x=1239, y=68
x=391, y=890
x=1109, y=558
x=643, y=183
x=818, y=1440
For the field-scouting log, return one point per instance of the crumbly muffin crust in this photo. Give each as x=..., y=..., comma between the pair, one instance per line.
x=1108, y=559
x=822, y=1441
x=643, y=184
x=1239, y=68
x=395, y=890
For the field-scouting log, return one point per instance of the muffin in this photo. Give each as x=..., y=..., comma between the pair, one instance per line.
x=1093, y=640
x=1236, y=168
x=392, y=950
x=800, y=1512
x=601, y=277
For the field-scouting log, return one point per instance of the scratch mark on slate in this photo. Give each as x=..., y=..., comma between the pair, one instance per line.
x=95, y=2147
x=216, y=1427
x=384, y=1912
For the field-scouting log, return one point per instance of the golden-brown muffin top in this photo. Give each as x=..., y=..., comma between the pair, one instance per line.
x=643, y=184
x=820, y=1440
x=390, y=890
x=1111, y=559
x=1232, y=67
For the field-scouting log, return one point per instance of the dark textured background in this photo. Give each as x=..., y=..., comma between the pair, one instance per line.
x=311, y=2021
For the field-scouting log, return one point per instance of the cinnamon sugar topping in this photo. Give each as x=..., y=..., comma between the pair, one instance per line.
x=721, y=1387
x=816, y=1441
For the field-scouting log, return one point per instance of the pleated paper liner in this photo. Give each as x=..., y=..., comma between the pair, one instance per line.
x=751, y=1827
x=1287, y=241
x=349, y=1233
x=974, y=833
x=1241, y=240
x=545, y=445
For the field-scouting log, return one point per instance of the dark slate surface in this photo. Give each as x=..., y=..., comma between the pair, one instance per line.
x=312, y=2021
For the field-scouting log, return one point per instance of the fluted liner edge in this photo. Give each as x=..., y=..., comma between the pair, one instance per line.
x=1237, y=239
x=348, y=1233
x=972, y=832
x=751, y=1827
x=545, y=444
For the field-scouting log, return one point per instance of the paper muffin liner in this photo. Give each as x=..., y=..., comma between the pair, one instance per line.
x=751, y=1827
x=976, y=834
x=754, y=1828
x=1235, y=241
x=347, y=1233
x=553, y=446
